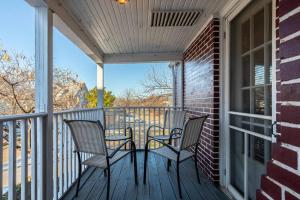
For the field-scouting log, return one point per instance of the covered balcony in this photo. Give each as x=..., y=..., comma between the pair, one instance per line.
x=236, y=61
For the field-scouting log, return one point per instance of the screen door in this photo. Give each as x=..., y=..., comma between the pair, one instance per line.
x=250, y=101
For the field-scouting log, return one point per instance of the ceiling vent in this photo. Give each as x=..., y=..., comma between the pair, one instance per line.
x=174, y=18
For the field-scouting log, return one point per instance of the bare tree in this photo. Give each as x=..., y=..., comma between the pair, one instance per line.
x=17, y=85
x=157, y=83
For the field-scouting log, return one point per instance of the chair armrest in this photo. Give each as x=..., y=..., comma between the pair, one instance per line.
x=119, y=147
x=130, y=131
x=163, y=143
x=174, y=133
x=152, y=126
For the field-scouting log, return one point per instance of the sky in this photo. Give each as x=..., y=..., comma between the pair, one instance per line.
x=17, y=33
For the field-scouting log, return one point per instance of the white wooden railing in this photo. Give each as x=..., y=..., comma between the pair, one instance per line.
x=65, y=163
x=21, y=136
x=20, y=139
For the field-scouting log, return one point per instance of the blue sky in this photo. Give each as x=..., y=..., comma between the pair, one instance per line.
x=17, y=33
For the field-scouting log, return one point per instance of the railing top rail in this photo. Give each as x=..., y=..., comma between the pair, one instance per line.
x=116, y=107
x=22, y=116
x=77, y=110
x=34, y=115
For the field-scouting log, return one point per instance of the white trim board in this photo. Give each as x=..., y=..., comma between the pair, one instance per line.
x=138, y=58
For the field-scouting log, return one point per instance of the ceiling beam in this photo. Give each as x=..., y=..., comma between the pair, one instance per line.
x=71, y=28
x=142, y=57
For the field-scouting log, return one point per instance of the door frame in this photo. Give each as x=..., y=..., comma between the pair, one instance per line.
x=227, y=14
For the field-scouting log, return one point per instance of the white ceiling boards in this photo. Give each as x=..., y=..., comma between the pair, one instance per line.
x=131, y=29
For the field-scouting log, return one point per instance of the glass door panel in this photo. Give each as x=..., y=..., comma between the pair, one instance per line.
x=250, y=105
x=237, y=160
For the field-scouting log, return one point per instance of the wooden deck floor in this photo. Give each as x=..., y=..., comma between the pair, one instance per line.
x=160, y=184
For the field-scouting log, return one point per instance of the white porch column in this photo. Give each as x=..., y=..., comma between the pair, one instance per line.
x=100, y=89
x=174, y=77
x=43, y=99
x=100, y=85
x=177, y=83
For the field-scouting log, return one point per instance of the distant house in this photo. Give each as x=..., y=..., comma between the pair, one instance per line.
x=81, y=94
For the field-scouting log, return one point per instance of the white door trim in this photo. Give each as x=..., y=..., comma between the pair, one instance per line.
x=230, y=11
x=226, y=15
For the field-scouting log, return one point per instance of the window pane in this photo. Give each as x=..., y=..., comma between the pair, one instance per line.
x=259, y=28
x=259, y=70
x=246, y=101
x=256, y=164
x=269, y=100
x=246, y=70
x=259, y=103
x=246, y=36
x=269, y=67
x=270, y=22
x=237, y=160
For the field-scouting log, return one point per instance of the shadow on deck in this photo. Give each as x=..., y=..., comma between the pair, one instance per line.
x=160, y=183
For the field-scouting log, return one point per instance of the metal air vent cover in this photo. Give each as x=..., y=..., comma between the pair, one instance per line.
x=174, y=18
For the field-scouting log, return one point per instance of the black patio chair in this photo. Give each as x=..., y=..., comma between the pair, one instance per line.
x=89, y=137
x=190, y=137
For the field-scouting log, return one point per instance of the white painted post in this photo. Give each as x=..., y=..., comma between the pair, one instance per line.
x=43, y=102
x=172, y=66
x=176, y=68
x=100, y=88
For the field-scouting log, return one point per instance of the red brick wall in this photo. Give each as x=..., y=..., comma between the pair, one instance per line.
x=201, y=93
x=282, y=180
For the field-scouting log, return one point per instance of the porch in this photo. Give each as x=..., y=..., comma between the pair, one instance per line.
x=235, y=60
x=160, y=185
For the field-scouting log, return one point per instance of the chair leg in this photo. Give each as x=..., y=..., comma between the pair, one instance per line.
x=168, y=164
x=79, y=176
x=178, y=178
x=145, y=164
x=135, y=167
x=108, y=183
x=131, y=156
x=195, y=160
x=131, y=153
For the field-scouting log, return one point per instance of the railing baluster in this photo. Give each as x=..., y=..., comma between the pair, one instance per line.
x=139, y=122
x=1, y=157
x=33, y=159
x=55, y=157
x=154, y=116
x=61, y=142
x=12, y=160
x=70, y=153
x=149, y=121
x=134, y=131
x=114, y=117
x=144, y=121
x=119, y=123
x=169, y=110
x=76, y=159
x=40, y=156
x=24, y=159
x=159, y=124
x=65, y=156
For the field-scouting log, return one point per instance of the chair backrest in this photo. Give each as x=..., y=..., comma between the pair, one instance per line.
x=114, y=119
x=88, y=136
x=192, y=131
x=174, y=119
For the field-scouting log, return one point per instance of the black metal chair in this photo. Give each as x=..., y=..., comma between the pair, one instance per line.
x=89, y=137
x=172, y=128
x=190, y=137
x=114, y=124
x=173, y=125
